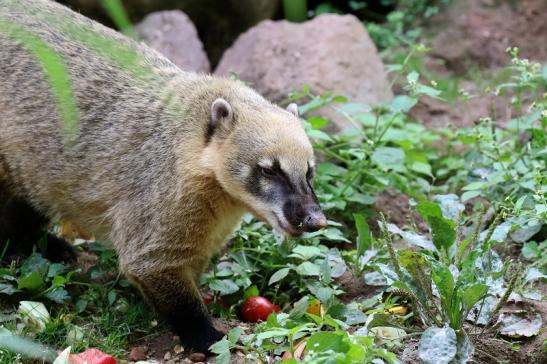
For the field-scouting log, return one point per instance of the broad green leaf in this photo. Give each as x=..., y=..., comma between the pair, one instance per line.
x=531, y=250
x=443, y=230
x=364, y=237
x=412, y=77
x=470, y=295
x=445, y=283
x=402, y=103
x=59, y=295
x=475, y=186
x=468, y=195
x=56, y=269
x=323, y=341
x=279, y=275
x=35, y=263
x=427, y=90
x=221, y=346
x=317, y=122
x=421, y=167
x=437, y=346
x=32, y=281
x=307, y=269
x=234, y=334
x=305, y=252
x=224, y=286
x=388, y=157
x=426, y=209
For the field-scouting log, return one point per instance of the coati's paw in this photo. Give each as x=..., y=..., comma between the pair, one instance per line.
x=201, y=341
x=60, y=250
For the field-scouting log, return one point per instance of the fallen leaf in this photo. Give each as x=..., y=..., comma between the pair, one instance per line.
x=520, y=323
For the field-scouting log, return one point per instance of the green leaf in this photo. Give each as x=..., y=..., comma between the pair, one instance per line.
x=307, y=269
x=56, y=269
x=443, y=230
x=437, y=346
x=421, y=167
x=279, y=275
x=221, y=346
x=402, y=103
x=305, y=252
x=58, y=281
x=388, y=157
x=426, y=209
x=364, y=237
x=412, y=77
x=252, y=291
x=234, y=334
x=470, y=194
x=323, y=341
x=319, y=135
x=32, y=281
x=59, y=295
x=111, y=297
x=475, y=186
x=531, y=250
x=470, y=295
x=445, y=283
x=426, y=90
x=317, y=122
x=224, y=286
x=35, y=263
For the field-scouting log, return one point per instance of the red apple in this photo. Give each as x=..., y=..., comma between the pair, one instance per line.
x=257, y=308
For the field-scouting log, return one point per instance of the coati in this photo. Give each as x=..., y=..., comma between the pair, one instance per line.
x=162, y=163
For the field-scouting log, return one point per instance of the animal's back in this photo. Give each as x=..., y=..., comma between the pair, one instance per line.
x=117, y=91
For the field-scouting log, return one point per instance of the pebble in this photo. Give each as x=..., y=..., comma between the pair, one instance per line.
x=138, y=353
x=197, y=357
x=167, y=356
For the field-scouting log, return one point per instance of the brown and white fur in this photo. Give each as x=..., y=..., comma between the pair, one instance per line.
x=163, y=165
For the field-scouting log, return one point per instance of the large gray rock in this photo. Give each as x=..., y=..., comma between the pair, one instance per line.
x=331, y=53
x=174, y=35
x=219, y=22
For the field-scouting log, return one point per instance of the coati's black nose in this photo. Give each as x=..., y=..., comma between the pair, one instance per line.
x=314, y=220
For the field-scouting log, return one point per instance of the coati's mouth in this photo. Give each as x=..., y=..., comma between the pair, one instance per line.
x=288, y=228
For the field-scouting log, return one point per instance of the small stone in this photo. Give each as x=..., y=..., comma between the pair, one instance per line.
x=197, y=357
x=176, y=339
x=167, y=356
x=178, y=349
x=138, y=353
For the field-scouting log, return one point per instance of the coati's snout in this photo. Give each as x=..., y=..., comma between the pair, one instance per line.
x=290, y=195
x=266, y=161
x=303, y=215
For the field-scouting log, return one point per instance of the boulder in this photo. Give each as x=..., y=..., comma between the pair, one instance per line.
x=330, y=53
x=479, y=32
x=173, y=34
x=218, y=22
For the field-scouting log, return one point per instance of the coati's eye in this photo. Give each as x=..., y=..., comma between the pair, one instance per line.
x=267, y=172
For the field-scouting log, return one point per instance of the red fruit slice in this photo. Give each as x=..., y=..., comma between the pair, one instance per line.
x=95, y=356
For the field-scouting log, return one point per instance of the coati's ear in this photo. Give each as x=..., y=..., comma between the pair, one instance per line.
x=221, y=116
x=293, y=109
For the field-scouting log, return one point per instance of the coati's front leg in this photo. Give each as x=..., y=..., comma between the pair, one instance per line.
x=174, y=294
